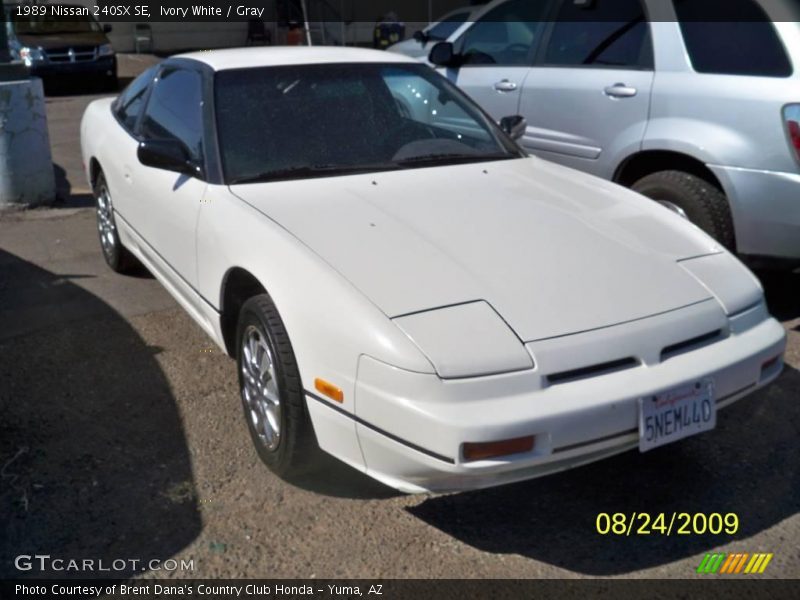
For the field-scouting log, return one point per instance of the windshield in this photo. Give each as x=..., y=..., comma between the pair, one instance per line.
x=47, y=24
x=444, y=29
x=322, y=120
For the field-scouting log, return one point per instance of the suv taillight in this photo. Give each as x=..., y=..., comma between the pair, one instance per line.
x=791, y=114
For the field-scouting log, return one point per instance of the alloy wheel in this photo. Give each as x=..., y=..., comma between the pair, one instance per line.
x=105, y=222
x=260, y=392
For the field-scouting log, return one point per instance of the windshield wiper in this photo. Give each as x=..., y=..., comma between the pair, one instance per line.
x=314, y=171
x=451, y=159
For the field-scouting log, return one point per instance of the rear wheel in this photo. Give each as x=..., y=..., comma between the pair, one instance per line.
x=272, y=393
x=693, y=198
x=116, y=255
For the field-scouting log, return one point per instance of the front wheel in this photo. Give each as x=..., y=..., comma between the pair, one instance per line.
x=693, y=198
x=271, y=390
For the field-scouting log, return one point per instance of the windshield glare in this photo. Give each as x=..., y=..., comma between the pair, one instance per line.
x=276, y=122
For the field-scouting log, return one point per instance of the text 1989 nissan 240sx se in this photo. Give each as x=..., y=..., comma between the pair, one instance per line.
x=402, y=285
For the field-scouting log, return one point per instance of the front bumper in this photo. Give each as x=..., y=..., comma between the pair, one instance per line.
x=766, y=210
x=105, y=66
x=411, y=427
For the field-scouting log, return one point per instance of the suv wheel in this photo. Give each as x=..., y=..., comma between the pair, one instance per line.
x=693, y=198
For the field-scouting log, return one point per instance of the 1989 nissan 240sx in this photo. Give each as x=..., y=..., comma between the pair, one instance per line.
x=402, y=285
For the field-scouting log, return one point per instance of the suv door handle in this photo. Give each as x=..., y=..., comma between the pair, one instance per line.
x=620, y=90
x=505, y=86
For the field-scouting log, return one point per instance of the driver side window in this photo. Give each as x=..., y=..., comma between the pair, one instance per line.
x=129, y=105
x=506, y=35
x=175, y=110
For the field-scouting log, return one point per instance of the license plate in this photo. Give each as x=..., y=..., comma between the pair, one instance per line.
x=676, y=414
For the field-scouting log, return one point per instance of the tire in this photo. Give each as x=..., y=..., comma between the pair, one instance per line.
x=290, y=448
x=702, y=203
x=116, y=255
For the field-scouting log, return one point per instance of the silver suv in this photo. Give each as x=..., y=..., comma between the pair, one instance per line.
x=662, y=96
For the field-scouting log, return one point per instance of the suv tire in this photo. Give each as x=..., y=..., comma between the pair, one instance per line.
x=702, y=203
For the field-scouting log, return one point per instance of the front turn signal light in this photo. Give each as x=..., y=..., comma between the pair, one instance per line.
x=487, y=450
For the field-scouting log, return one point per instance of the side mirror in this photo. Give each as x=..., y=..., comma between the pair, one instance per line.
x=420, y=36
x=169, y=155
x=514, y=126
x=107, y=28
x=442, y=55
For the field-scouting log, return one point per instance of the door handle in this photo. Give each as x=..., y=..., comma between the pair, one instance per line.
x=505, y=86
x=620, y=90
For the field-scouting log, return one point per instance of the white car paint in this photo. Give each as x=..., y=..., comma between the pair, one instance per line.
x=480, y=241
x=546, y=270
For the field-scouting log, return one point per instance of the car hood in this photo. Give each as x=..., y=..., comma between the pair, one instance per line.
x=62, y=40
x=553, y=250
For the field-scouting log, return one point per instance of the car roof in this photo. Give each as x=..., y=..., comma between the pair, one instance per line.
x=276, y=56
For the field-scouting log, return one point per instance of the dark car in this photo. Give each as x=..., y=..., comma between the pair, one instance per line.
x=63, y=48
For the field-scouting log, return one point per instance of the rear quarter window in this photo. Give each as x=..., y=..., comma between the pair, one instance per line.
x=748, y=44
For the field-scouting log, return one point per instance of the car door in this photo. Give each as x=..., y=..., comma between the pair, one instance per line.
x=497, y=51
x=169, y=203
x=587, y=99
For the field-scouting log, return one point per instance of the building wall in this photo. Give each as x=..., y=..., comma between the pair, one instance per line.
x=359, y=17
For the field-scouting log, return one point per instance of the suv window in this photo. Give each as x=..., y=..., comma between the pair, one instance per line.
x=746, y=45
x=505, y=35
x=129, y=105
x=444, y=29
x=608, y=33
x=175, y=109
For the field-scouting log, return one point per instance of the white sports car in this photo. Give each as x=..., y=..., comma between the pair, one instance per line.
x=401, y=285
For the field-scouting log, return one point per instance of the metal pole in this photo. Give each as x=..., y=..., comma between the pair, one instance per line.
x=5, y=55
x=344, y=25
x=9, y=71
x=306, y=27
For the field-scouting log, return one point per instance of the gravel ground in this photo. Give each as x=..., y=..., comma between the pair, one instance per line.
x=122, y=436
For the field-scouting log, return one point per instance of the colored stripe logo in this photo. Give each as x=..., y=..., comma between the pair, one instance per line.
x=740, y=563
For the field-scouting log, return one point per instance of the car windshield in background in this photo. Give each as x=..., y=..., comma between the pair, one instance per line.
x=322, y=120
x=48, y=25
x=444, y=29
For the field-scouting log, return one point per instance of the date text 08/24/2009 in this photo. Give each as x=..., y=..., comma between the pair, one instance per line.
x=676, y=523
